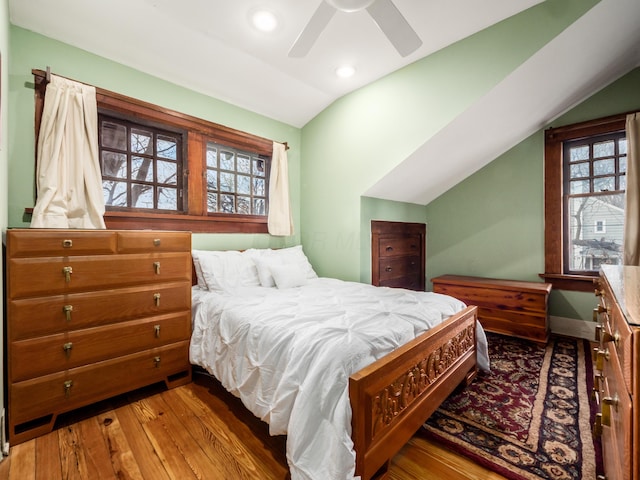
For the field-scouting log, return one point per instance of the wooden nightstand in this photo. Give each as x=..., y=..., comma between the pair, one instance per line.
x=509, y=307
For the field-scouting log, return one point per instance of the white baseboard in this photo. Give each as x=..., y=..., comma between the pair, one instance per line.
x=573, y=328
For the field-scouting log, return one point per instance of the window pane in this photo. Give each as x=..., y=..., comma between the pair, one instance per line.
x=142, y=169
x=581, y=186
x=114, y=135
x=227, y=204
x=579, y=170
x=167, y=198
x=258, y=187
x=623, y=164
x=579, y=153
x=227, y=160
x=588, y=247
x=167, y=172
x=604, y=184
x=244, y=205
x=212, y=156
x=622, y=146
x=258, y=167
x=623, y=182
x=141, y=196
x=141, y=141
x=244, y=184
x=603, y=167
x=115, y=193
x=212, y=180
x=114, y=164
x=604, y=149
x=244, y=164
x=227, y=182
x=259, y=206
x=167, y=147
x=212, y=202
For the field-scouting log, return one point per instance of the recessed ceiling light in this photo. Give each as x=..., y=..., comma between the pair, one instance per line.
x=345, y=71
x=264, y=20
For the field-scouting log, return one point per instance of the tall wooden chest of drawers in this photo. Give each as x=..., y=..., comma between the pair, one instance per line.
x=617, y=370
x=398, y=254
x=92, y=314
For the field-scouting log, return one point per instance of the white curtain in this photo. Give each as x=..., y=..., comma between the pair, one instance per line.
x=280, y=221
x=632, y=207
x=68, y=178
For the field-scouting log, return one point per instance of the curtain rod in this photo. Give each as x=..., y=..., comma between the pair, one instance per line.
x=46, y=75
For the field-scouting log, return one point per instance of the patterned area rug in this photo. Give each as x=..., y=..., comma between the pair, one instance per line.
x=530, y=418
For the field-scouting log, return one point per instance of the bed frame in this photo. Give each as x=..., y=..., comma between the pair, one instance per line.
x=391, y=398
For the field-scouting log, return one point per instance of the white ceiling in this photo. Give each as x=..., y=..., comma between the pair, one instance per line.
x=210, y=46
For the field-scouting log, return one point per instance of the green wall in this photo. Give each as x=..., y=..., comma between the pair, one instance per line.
x=350, y=145
x=492, y=224
x=30, y=50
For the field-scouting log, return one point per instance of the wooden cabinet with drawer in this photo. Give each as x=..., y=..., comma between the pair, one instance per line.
x=617, y=370
x=92, y=314
x=509, y=307
x=398, y=254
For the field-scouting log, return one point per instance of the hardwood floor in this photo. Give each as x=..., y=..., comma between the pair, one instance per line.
x=197, y=431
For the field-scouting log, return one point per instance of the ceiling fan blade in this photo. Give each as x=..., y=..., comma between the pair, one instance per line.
x=394, y=26
x=312, y=31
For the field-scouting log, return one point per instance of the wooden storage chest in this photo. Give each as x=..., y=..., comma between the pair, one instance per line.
x=510, y=307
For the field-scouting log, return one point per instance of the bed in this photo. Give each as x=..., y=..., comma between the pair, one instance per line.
x=346, y=370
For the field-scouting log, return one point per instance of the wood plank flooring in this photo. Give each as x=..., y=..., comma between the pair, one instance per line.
x=197, y=431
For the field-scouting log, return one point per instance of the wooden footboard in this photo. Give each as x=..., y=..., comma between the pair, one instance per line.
x=393, y=397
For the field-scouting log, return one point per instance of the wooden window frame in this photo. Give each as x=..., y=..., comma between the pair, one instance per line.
x=553, y=199
x=198, y=131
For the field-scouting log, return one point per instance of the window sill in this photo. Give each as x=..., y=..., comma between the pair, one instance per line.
x=215, y=223
x=578, y=283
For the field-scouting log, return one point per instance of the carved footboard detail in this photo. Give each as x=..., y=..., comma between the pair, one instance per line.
x=391, y=398
x=402, y=392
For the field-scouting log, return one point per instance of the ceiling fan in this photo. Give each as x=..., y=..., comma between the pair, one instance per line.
x=384, y=13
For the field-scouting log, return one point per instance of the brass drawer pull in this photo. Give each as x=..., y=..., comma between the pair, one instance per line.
x=67, y=271
x=599, y=293
x=607, y=403
x=67, y=243
x=156, y=242
x=597, y=425
x=67, y=348
x=156, y=330
x=389, y=249
x=67, y=388
x=597, y=378
x=156, y=267
x=156, y=362
x=388, y=269
x=601, y=356
x=156, y=299
x=67, y=309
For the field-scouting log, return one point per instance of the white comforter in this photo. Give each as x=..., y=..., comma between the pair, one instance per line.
x=288, y=355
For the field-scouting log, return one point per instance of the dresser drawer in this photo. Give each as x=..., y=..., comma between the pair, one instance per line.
x=150, y=241
x=32, y=317
x=56, y=275
x=392, y=267
x=394, y=246
x=32, y=243
x=43, y=396
x=54, y=353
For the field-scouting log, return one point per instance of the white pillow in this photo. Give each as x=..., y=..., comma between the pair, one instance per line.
x=292, y=257
x=227, y=270
x=288, y=276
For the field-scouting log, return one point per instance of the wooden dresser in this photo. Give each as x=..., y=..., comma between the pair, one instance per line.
x=510, y=307
x=92, y=314
x=617, y=370
x=398, y=254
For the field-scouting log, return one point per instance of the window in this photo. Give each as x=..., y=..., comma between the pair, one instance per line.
x=158, y=168
x=585, y=180
x=594, y=173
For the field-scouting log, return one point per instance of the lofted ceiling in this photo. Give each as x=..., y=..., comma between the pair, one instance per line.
x=211, y=47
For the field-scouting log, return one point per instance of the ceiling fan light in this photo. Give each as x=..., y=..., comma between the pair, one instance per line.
x=349, y=5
